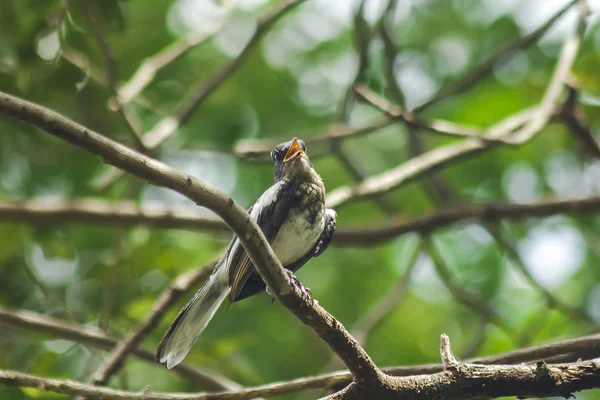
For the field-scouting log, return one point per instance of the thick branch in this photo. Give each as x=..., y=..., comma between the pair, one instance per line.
x=459, y=382
x=250, y=236
x=586, y=347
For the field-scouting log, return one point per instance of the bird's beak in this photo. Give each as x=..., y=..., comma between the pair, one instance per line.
x=294, y=152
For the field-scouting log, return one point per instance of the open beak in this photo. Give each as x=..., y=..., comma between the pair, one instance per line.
x=294, y=153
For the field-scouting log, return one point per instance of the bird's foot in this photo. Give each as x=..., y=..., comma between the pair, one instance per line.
x=306, y=292
x=270, y=294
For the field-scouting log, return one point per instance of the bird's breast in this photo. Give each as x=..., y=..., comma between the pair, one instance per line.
x=303, y=225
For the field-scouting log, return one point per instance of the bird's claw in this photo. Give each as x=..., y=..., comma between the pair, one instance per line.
x=306, y=292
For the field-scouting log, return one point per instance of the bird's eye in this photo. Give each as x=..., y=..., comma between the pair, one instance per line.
x=303, y=145
x=276, y=154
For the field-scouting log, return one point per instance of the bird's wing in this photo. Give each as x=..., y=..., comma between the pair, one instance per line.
x=269, y=211
x=327, y=234
x=322, y=242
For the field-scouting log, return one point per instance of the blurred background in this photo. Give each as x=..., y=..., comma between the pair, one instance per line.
x=540, y=276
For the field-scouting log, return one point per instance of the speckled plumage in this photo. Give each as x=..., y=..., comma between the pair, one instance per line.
x=293, y=218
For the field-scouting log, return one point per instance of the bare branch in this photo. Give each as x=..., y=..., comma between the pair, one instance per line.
x=127, y=214
x=123, y=213
x=425, y=163
x=576, y=313
x=382, y=309
x=537, y=118
x=148, y=69
x=585, y=346
x=572, y=115
x=169, y=125
x=448, y=359
x=556, y=87
x=474, y=75
x=168, y=298
x=251, y=237
x=112, y=67
x=441, y=127
x=96, y=338
x=463, y=381
x=462, y=295
x=258, y=149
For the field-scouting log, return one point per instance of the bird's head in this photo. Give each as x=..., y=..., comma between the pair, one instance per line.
x=290, y=159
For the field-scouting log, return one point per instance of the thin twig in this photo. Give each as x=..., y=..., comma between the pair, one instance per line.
x=168, y=126
x=112, y=67
x=426, y=163
x=536, y=119
x=383, y=308
x=462, y=295
x=509, y=248
x=93, y=337
x=148, y=69
x=168, y=298
x=476, y=74
x=573, y=117
x=441, y=127
x=556, y=86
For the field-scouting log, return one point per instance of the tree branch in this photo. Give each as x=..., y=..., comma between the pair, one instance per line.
x=148, y=69
x=474, y=75
x=572, y=115
x=586, y=347
x=531, y=120
x=95, y=338
x=395, y=112
x=251, y=237
x=168, y=298
x=127, y=214
x=577, y=313
x=458, y=381
x=258, y=149
x=112, y=67
x=169, y=125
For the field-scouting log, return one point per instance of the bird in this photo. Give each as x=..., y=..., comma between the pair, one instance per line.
x=293, y=217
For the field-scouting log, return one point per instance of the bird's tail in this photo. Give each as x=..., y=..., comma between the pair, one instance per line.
x=192, y=319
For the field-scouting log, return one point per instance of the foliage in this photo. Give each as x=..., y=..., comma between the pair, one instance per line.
x=294, y=81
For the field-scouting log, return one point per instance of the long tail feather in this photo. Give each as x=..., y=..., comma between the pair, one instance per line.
x=192, y=320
